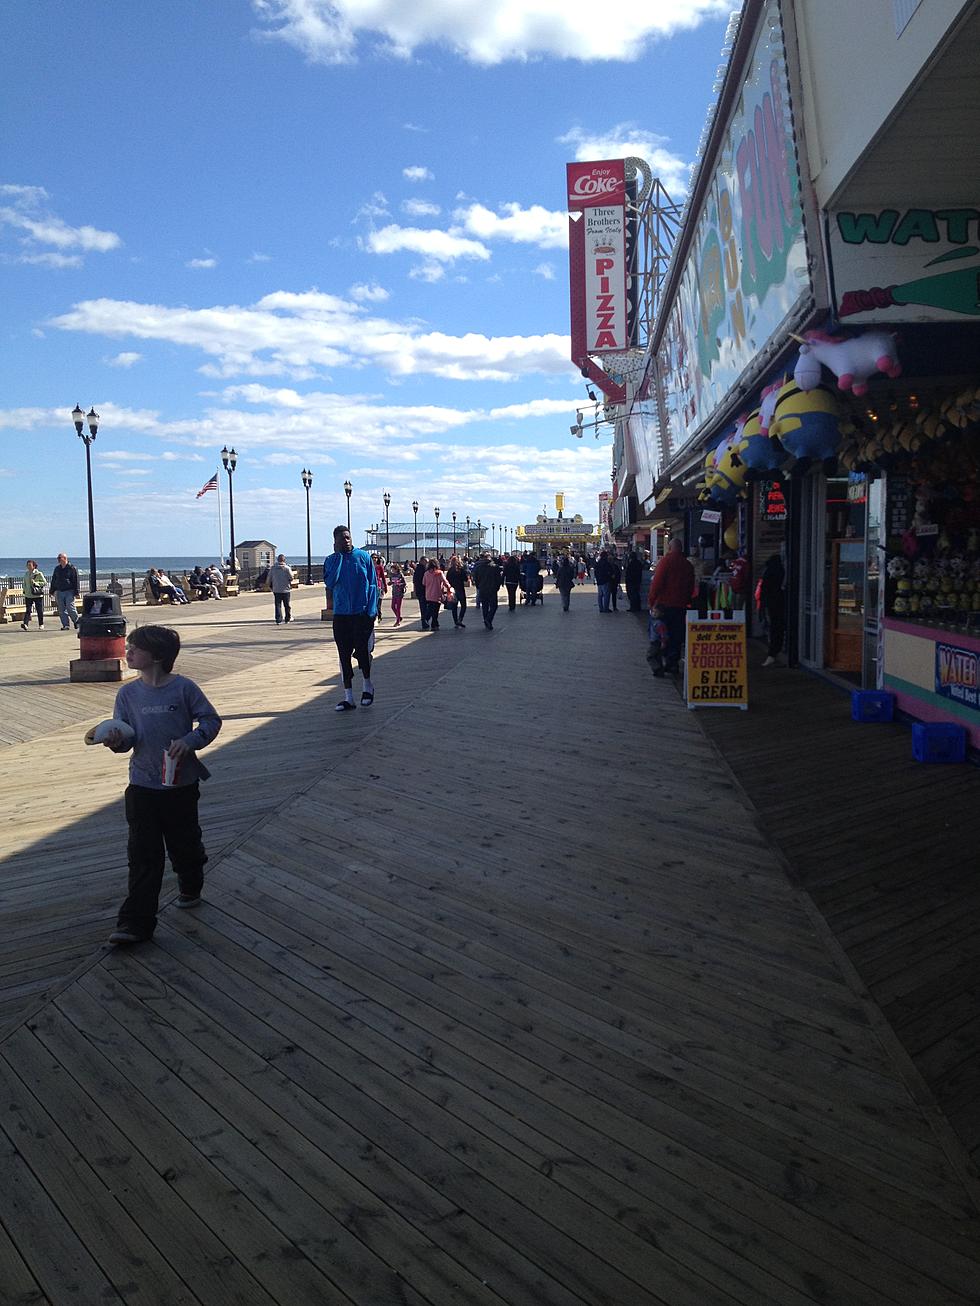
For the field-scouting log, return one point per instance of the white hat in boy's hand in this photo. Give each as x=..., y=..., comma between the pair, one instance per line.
x=99, y=733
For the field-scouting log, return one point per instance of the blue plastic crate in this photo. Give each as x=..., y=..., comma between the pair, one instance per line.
x=938, y=741
x=869, y=705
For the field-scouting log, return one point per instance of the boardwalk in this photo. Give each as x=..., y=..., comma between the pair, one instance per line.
x=500, y=994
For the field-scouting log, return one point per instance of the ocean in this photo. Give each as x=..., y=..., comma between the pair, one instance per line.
x=14, y=568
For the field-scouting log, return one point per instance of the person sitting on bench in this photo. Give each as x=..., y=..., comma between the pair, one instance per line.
x=162, y=586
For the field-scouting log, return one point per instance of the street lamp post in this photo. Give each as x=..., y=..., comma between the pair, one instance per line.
x=348, y=490
x=307, y=482
x=479, y=536
x=467, y=537
x=436, y=511
x=415, y=512
x=230, y=459
x=454, y=532
x=80, y=418
x=493, y=537
x=386, y=499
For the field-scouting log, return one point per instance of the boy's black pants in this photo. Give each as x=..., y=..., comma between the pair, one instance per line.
x=161, y=821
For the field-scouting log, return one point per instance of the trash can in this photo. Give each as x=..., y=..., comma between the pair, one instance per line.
x=101, y=627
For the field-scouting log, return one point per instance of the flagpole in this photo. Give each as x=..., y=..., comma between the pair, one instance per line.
x=220, y=533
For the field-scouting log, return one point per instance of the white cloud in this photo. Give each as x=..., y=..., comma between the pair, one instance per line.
x=289, y=459
x=444, y=246
x=52, y=259
x=123, y=360
x=546, y=271
x=298, y=335
x=280, y=419
x=483, y=31
x=533, y=408
x=417, y=173
x=26, y=215
x=29, y=196
x=413, y=127
x=420, y=209
x=256, y=257
x=201, y=263
x=372, y=294
x=52, y=231
x=373, y=209
x=533, y=226
x=626, y=139
x=429, y=272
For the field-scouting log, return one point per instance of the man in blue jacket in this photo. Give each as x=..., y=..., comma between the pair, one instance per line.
x=350, y=576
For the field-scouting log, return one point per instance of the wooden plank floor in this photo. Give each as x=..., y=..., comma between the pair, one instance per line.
x=501, y=995
x=887, y=849
x=63, y=832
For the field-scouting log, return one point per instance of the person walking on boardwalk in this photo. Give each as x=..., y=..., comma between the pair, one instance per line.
x=458, y=578
x=531, y=573
x=614, y=579
x=349, y=574
x=602, y=572
x=491, y=577
x=772, y=601
x=398, y=588
x=512, y=579
x=418, y=589
x=632, y=575
x=437, y=591
x=64, y=589
x=381, y=572
x=33, y=587
x=672, y=589
x=160, y=709
x=281, y=584
x=565, y=579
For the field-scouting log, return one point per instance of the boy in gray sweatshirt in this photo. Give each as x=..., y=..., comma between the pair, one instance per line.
x=164, y=774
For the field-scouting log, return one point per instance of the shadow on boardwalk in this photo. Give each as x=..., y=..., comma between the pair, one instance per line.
x=464, y=1021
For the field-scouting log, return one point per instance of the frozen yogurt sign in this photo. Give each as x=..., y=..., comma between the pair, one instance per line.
x=597, y=257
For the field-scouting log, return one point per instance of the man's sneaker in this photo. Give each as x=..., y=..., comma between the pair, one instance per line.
x=127, y=936
x=188, y=900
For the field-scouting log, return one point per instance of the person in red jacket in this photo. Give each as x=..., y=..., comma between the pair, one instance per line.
x=671, y=590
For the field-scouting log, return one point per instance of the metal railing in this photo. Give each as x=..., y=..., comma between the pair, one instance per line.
x=130, y=586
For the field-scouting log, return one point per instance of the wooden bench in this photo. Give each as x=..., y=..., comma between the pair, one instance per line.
x=229, y=590
x=12, y=606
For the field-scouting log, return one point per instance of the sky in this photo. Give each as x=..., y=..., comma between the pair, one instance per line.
x=329, y=233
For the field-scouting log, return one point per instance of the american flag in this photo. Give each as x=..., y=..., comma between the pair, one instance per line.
x=211, y=485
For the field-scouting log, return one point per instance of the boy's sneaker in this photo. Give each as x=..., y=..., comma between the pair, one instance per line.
x=122, y=935
x=188, y=900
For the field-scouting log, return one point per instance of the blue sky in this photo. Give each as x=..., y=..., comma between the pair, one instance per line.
x=330, y=234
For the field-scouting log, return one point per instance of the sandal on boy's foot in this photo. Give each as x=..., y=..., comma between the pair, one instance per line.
x=344, y=706
x=127, y=936
x=367, y=698
x=188, y=900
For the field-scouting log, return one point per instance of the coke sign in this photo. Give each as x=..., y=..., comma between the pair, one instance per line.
x=594, y=183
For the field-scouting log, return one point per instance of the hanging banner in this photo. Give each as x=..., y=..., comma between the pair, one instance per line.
x=906, y=265
x=747, y=270
x=715, y=666
x=597, y=257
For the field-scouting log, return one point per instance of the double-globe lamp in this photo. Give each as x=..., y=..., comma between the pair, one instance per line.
x=307, y=482
x=229, y=460
x=80, y=418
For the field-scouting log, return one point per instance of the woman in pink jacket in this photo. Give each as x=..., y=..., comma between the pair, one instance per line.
x=437, y=592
